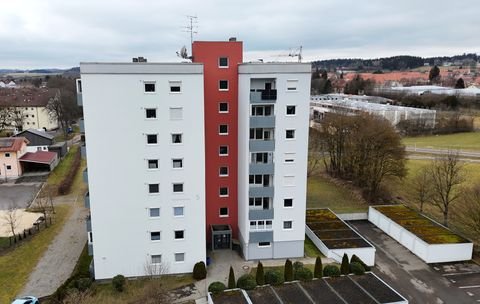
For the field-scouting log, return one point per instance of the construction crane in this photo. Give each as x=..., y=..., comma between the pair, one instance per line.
x=295, y=52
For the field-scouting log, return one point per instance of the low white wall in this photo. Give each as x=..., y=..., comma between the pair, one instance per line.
x=315, y=240
x=353, y=216
x=430, y=253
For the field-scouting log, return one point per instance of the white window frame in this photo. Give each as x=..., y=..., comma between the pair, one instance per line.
x=228, y=85
x=150, y=212
x=289, y=158
x=288, y=177
x=149, y=82
x=290, y=87
x=153, y=193
x=151, y=118
x=176, y=133
x=220, y=171
x=228, y=150
x=177, y=159
x=264, y=246
x=291, y=225
x=223, y=215
x=183, y=211
x=173, y=83
x=228, y=107
x=146, y=139
x=159, y=235
x=155, y=255
x=153, y=169
x=178, y=192
x=223, y=195
x=219, y=129
x=170, y=113
x=295, y=110
x=175, y=257
x=174, y=235
x=288, y=207
x=223, y=66
x=294, y=131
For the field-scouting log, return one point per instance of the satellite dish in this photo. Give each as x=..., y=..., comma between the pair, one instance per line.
x=183, y=53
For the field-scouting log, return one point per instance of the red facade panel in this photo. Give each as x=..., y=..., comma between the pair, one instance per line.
x=209, y=53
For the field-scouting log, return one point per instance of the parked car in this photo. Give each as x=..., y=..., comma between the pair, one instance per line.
x=26, y=300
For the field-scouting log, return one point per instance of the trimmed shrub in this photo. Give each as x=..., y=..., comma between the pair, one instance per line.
x=288, y=271
x=260, y=276
x=67, y=181
x=118, y=282
x=231, y=279
x=297, y=265
x=83, y=284
x=247, y=282
x=199, y=271
x=331, y=271
x=317, y=273
x=303, y=274
x=355, y=258
x=345, y=267
x=273, y=277
x=357, y=268
x=216, y=287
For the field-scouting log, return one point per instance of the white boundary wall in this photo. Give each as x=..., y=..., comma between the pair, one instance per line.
x=430, y=253
x=405, y=301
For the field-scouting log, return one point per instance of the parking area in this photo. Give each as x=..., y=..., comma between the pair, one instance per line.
x=416, y=280
x=18, y=195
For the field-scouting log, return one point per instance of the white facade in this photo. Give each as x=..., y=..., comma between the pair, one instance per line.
x=115, y=104
x=289, y=156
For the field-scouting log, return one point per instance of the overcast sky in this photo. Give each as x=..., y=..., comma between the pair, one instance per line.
x=61, y=33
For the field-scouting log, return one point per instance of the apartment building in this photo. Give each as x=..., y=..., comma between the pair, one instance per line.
x=208, y=154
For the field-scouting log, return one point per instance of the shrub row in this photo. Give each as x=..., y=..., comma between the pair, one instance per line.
x=67, y=181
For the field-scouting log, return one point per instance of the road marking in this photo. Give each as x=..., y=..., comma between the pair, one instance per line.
x=460, y=273
x=473, y=286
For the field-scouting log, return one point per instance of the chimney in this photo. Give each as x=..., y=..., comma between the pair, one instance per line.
x=232, y=39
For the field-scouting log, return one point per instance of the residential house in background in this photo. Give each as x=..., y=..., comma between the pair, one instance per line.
x=11, y=150
x=38, y=140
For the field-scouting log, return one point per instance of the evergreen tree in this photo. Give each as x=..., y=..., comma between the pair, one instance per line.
x=288, y=271
x=260, y=277
x=345, y=267
x=318, y=271
x=434, y=75
x=460, y=84
x=231, y=279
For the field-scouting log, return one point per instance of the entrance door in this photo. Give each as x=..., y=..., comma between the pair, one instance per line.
x=221, y=241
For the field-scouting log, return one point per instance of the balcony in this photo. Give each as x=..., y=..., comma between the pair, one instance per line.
x=81, y=123
x=88, y=222
x=262, y=121
x=260, y=214
x=86, y=200
x=260, y=191
x=259, y=145
x=263, y=96
x=261, y=168
x=90, y=249
x=83, y=151
x=85, y=176
x=260, y=236
x=79, y=99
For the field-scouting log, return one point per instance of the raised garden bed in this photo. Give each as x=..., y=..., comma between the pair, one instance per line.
x=349, y=291
x=263, y=295
x=376, y=288
x=334, y=238
x=291, y=294
x=426, y=238
x=229, y=297
x=320, y=292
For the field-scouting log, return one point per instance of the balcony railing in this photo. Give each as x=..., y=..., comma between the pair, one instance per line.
x=260, y=191
x=81, y=123
x=83, y=151
x=260, y=214
x=85, y=175
x=79, y=99
x=88, y=222
x=263, y=96
x=90, y=249
x=261, y=168
x=262, y=121
x=87, y=200
x=260, y=236
x=260, y=145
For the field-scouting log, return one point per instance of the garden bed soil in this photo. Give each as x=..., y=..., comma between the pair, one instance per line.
x=349, y=291
x=346, y=243
x=263, y=295
x=320, y=292
x=229, y=297
x=337, y=225
x=291, y=294
x=335, y=234
x=381, y=292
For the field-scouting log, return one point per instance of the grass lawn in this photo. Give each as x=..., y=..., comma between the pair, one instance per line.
x=463, y=141
x=16, y=265
x=311, y=250
x=63, y=167
x=322, y=193
x=4, y=242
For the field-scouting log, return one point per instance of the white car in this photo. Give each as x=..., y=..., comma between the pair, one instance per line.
x=26, y=300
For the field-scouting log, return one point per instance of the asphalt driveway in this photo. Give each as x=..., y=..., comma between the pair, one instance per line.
x=18, y=195
x=411, y=277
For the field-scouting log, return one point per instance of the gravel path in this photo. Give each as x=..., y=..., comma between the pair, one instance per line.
x=58, y=262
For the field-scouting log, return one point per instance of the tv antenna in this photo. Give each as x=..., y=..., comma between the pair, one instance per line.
x=191, y=27
x=294, y=52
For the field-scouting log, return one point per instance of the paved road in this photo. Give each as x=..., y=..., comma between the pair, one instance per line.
x=462, y=154
x=409, y=275
x=58, y=262
x=18, y=195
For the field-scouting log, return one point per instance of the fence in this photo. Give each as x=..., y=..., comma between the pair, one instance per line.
x=9, y=243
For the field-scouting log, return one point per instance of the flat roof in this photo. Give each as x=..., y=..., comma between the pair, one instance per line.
x=140, y=68
x=274, y=68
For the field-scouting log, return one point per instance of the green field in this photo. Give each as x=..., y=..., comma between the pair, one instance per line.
x=463, y=141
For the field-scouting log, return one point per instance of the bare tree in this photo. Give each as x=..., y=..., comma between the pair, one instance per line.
x=422, y=188
x=42, y=204
x=315, y=151
x=154, y=270
x=469, y=215
x=154, y=291
x=18, y=117
x=12, y=218
x=446, y=174
x=5, y=117
x=75, y=296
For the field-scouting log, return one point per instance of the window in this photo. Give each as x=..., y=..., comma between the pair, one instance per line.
x=175, y=86
x=156, y=258
x=179, y=234
x=33, y=115
x=291, y=110
x=223, y=212
x=289, y=158
x=178, y=188
x=264, y=244
x=223, y=85
x=223, y=171
x=223, y=129
x=150, y=113
x=259, y=180
x=261, y=225
x=176, y=113
x=7, y=154
x=223, y=107
x=287, y=225
x=289, y=180
x=26, y=115
x=155, y=235
x=9, y=167
x=149, y=87
x=290, y=134
x=260, y=158
x=179, y=257
x=152, y=139
x=176, y=138
x=153, y=164
x=153, y=188
x=292, y=85
x=154, y=212
x=223, y=150
x=288, y=202
x=262, y=110
x=178, y=211
x=259, y=202
x=33, y=123
x=261, y=133
x=223, y=191
x=177, y=163
x=79, y=86
x=223, y=62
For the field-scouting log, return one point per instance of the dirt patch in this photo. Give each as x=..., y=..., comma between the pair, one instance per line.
x=23, y=218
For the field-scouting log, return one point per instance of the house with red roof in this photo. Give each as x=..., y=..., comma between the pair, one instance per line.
x=11, y=150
